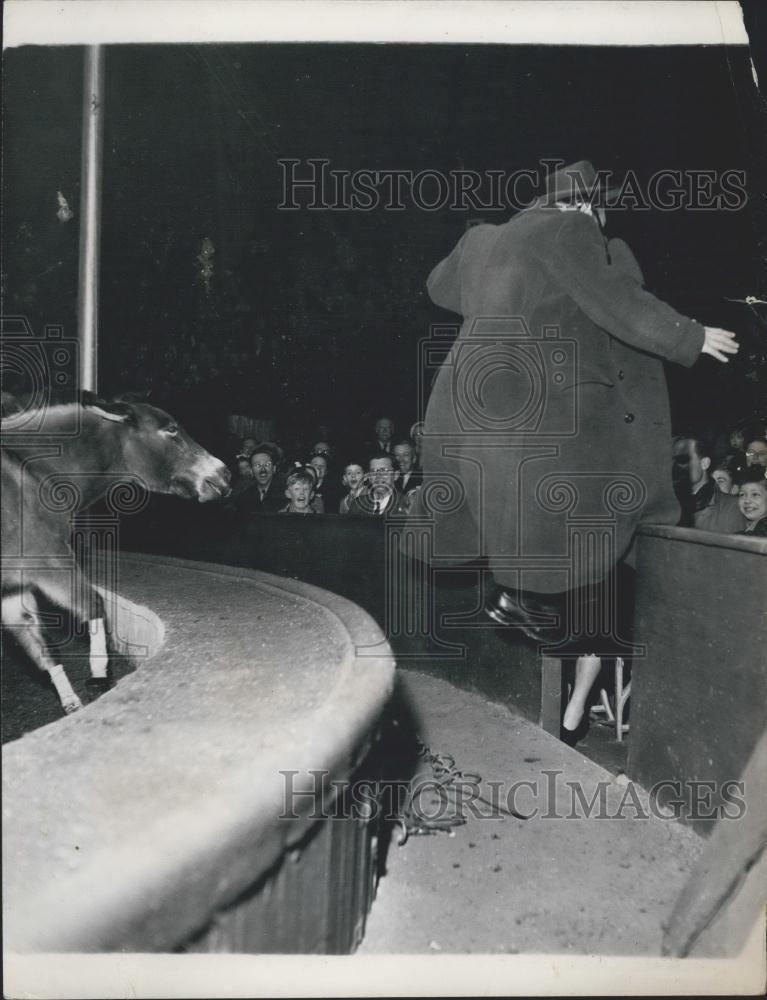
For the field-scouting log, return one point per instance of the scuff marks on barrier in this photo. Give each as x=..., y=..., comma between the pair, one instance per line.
x=64, y=213
x=205, y=261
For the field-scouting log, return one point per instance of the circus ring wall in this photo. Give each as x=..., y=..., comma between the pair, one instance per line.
x=160, y=816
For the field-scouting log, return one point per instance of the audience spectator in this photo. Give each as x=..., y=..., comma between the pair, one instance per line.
x=243, y=479
x=299, y=487
x=737, y=439
x=752, y=500
x=743, y=432
x=724, y=476
x=416, y=436
x=379, y=494
x=317, y=503
x=724, y=496
x=756, y=453
x=243, y=466
x=408, y=477
x=265, y=494
x=247, y=446
x=327, y=491
x=354, y=481
x=384, y=433
x=704, y=506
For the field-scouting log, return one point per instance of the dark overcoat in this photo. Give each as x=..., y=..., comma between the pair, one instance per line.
x=547, y=434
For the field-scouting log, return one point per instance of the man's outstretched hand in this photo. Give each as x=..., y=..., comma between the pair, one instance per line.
x=719, y=343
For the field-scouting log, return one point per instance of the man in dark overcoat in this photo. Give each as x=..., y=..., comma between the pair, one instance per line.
x=547, y=433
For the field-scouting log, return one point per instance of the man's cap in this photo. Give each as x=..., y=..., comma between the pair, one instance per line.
x=269, y=449
x=579, y=181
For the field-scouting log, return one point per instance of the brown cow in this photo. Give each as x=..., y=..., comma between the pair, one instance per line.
x=64, y=458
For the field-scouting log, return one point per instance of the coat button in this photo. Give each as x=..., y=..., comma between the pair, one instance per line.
x=621, y=374
x=629, y=418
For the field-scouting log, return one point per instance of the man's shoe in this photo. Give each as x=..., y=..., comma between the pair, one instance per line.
x=539, y=620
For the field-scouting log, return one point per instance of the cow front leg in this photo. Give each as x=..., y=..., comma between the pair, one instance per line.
x=99, y=657
x=20, y=617
x=100, y=679
x=67, y=696
x=85, y=605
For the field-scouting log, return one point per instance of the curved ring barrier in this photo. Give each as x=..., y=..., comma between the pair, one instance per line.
x=698, y=693
x=134, y=823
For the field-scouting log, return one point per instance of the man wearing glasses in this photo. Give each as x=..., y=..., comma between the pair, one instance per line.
x=265, y=495
x=756, y=453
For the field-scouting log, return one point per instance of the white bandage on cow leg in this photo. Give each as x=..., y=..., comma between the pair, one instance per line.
x=69, y=700
x=99, y=658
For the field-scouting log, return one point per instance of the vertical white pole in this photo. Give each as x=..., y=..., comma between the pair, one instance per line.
x=90, y=215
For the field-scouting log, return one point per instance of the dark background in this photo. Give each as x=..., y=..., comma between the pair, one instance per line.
x=316, y=316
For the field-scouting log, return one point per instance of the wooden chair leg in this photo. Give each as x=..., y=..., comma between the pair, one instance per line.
x=622, y=695
x=604, y=706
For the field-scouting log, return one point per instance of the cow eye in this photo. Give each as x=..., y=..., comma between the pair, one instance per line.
x=172, y=429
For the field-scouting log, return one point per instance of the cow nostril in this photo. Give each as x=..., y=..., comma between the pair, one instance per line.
x=226, y=474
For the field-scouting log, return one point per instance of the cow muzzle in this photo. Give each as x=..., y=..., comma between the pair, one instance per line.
x=207, y=480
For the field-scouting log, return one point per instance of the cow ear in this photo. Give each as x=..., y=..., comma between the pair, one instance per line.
x=133, y=396
x=122, y=413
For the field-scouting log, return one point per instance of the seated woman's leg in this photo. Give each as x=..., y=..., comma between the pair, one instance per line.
x=586, y=672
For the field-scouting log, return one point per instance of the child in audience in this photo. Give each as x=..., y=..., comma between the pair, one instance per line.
x=317, y=502
x=299, y=487
x=724, y=476
x=752, y=500
x=323, y=499
x=378, y=495
x=244, y=468
x=354, y=481
x=243, y=479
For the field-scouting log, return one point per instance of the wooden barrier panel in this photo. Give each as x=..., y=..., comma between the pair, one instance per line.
x=699, y=694
x=698, y=719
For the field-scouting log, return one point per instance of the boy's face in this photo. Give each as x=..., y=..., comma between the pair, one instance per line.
x=737, y=440
x=353, y=476
x=723, y=480
x=300, y=494
x=243, y=467
x=752, y=500
x=320, y=464
x=248, y=446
